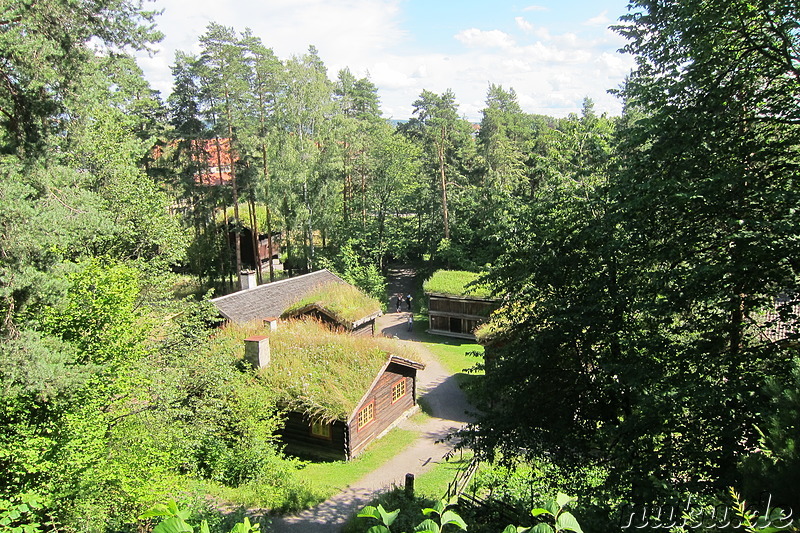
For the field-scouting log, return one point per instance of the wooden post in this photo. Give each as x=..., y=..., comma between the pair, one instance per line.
x=410, y=486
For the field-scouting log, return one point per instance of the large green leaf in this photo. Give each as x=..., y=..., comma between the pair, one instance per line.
x=173, y=507
x=451, y=517
x=386, y=517
x=541, y=528
x=567, y=522
x=562, y=499
x=378, y=529
x=438, y=507
x=427, y=526
x=173, y=525
x=369, y=512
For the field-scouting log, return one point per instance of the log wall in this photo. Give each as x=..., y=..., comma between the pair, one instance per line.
x=386, y=412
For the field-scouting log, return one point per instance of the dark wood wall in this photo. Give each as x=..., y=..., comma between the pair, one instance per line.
x=366, y=329
x=386, y=412
x=459, y=316
x=297, y=437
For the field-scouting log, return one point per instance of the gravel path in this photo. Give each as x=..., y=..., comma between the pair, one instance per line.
x=448, y=407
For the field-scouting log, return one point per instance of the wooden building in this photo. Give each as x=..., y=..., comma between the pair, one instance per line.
x=249, y=257
x=321, y=294
x=455, y=306
x=340, y=392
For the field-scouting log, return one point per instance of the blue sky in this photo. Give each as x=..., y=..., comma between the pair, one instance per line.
x=552, y=53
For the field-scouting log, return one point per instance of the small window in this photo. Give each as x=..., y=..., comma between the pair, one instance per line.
x=321, y=429
x=399, y=390
x=366, y=415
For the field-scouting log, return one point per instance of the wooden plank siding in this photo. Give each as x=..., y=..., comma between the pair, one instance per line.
x=367, y=329
x=385, y=411
x=299, y=440
x=457, y=316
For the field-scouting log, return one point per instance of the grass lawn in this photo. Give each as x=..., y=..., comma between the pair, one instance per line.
x=451, y=352
x=307, y=484
x=433, y=483
x=329, y=478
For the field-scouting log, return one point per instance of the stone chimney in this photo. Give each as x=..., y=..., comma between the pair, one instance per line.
x=247, y=279
x=256, y=350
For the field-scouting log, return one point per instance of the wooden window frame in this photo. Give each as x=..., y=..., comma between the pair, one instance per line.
x=367, y=407
x=321, y=424
x=402, y=384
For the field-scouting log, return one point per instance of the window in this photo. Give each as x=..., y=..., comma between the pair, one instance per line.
x=399, y=390
x=366, y=415
x=321, y=429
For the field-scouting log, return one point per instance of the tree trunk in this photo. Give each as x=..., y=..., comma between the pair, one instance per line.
x=251, y=205
x=238, y=244
x=445, y=214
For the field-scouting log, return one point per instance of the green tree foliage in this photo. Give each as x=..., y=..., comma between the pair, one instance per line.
x=44, y=45
x=633, y=333
x=449, y=152
x=708, y=186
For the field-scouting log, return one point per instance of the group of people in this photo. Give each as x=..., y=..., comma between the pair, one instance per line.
x=399, y=298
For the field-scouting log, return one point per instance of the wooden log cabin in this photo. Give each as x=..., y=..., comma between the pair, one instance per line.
x=321, y=294
x=456, y=306
x=340, y=392
x=253, y=257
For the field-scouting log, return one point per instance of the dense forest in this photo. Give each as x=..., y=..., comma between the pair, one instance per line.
x=645, y=349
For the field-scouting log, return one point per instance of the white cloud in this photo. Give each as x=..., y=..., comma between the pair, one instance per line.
x=524, y=25
x=551, y=71
x=600, y=20
x=474, y=37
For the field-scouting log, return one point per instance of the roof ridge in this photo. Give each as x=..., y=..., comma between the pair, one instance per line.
x=274, y=283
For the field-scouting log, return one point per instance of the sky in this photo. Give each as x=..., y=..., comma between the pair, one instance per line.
x=552, y=53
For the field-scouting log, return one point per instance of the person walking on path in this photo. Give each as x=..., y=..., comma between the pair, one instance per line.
x=410, y=322
x=399, y=302
x=408, y=302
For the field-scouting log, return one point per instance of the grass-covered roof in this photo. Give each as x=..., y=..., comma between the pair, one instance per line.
x=455, y=282
x=314, y=370
x=344, y=302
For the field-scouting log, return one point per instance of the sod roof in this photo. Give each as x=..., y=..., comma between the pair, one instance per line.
x=456, y=283
x=314, y=370
x=343, y=302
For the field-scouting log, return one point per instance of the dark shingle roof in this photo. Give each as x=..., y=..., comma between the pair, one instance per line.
x=272, y=299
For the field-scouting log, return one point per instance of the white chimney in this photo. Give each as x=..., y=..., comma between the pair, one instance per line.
x=271, y=322
x=247, y=279
x=256, y=350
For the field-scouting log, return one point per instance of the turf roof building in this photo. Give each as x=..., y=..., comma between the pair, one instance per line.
x=321, y=294
x=455, y=306
x=340, y=392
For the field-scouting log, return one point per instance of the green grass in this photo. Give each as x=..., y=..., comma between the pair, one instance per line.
x=455, y=282
x=452, y=353
x=298, y=485
x=345, y=302
x=329, y=478
x=433, y=483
